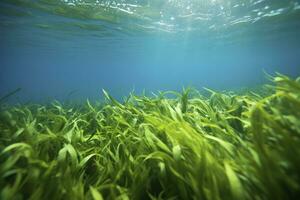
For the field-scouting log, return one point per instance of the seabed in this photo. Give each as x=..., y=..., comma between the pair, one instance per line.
x=216, y=147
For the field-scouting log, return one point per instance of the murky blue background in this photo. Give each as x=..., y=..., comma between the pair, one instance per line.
x=51, y=48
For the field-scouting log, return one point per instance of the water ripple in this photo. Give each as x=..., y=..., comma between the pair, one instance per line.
x=149, y=16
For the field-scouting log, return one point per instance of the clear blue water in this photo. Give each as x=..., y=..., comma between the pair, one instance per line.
x=50, y=48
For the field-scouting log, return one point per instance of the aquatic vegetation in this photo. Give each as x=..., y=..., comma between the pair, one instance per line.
x=224, y=146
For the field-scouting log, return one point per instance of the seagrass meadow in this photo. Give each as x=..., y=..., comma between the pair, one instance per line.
x=218, y=146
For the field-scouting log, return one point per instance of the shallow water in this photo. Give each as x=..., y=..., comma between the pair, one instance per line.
x=54, y=49
x=193, y=144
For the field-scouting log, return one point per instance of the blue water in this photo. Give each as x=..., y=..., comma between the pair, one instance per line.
x=51, y=48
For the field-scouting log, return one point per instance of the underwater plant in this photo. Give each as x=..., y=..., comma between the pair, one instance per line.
x=220, y=146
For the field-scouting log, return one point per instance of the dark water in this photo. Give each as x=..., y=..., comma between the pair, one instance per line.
x=54, y=49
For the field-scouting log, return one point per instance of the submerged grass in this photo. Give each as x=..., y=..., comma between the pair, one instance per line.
x=224, y=146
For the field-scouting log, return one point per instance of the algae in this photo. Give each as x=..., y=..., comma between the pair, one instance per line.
x=220, y=146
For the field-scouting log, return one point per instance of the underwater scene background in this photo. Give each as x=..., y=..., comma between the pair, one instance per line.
x=149, y=99
x=50, y=48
